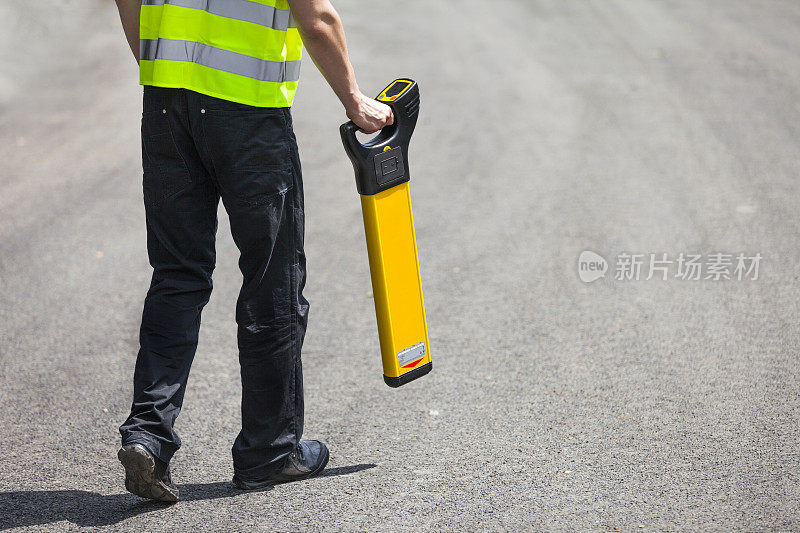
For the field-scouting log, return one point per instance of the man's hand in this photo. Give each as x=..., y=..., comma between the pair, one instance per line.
x=323, y=35
x=370, y=115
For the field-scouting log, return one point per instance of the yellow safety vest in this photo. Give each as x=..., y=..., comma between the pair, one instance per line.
x=245, y=51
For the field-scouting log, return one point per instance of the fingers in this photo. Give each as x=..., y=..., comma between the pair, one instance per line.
x=372, y=116
x=369, y=129
x=384, y=116
x=371, y=124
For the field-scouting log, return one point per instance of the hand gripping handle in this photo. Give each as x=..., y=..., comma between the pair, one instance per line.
x=382, y=162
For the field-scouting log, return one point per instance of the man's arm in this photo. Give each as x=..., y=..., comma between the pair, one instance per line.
x=323, y=35
x=129, y=15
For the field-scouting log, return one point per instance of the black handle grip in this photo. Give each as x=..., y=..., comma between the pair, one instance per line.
x=382, y=162
x=351, y=143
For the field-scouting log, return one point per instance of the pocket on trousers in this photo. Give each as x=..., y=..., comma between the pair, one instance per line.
x=250, y=140
x=166, y=173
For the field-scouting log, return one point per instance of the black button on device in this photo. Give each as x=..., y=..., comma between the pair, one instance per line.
x=389, y=166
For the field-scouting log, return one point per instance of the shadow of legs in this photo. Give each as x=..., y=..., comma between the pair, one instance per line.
x=90, y=509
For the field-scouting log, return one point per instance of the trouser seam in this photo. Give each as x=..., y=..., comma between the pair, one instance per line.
x=294, y=320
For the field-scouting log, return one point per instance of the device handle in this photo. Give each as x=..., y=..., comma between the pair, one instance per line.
x=351, y=143
x=381, y=162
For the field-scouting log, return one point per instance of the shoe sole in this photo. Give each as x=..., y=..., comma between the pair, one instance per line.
x=139, y=479
x=277, y=481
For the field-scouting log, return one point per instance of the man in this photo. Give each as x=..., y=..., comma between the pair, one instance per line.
x=220, y=77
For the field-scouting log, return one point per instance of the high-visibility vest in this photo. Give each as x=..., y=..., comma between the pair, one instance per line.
x=245, y=51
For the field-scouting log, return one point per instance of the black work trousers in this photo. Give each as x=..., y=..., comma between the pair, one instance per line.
x=197, y=149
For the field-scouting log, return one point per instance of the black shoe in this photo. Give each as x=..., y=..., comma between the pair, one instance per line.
x=307, y=460
x=146, y=475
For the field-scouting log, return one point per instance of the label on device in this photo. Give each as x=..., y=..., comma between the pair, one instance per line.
x=411, y=356
x=389, y=166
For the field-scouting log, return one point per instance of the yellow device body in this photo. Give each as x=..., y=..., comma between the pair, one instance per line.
x=382, y=177
x=396, y=283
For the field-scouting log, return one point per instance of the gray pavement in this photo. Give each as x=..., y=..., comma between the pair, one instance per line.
x=547, y=128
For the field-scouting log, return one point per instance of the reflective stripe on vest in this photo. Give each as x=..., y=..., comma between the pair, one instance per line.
x=246, y=51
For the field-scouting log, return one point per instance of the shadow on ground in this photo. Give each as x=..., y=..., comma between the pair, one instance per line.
x=90, y=509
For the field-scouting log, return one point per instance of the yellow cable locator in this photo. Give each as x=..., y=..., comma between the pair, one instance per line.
x=381, y=166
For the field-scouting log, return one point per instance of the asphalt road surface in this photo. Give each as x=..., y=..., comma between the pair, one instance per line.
x=548, y=127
